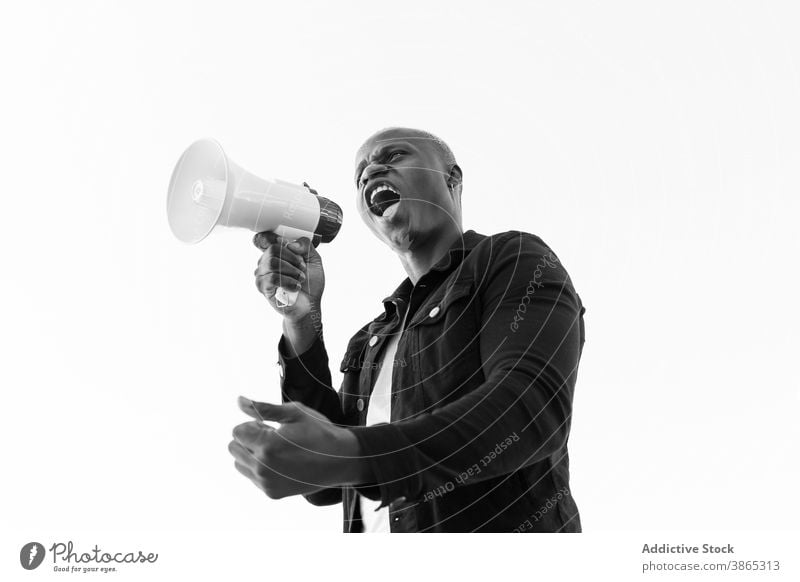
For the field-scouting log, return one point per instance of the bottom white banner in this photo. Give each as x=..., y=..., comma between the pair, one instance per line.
x=175, y=555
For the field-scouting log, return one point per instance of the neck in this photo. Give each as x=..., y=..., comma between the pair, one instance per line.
x=419, y=261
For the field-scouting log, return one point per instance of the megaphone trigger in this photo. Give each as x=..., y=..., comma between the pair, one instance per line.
x=285, y=298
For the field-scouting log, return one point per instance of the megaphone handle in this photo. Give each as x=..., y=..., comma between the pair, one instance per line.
x=285, y=298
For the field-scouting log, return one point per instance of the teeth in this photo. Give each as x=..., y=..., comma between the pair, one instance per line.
x=381, y=188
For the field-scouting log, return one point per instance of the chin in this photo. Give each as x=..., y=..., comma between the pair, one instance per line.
x=399, y=239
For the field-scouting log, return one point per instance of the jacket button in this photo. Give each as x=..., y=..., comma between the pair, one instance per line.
x=373, y=340
x=360, y=404
x=433, y=311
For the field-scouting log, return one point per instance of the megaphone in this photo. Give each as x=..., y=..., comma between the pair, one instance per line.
x=208, y=189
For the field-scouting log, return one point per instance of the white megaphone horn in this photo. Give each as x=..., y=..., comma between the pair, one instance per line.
x=207, y=189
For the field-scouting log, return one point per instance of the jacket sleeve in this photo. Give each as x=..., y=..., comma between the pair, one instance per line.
x=306, y=378
x=531, y=337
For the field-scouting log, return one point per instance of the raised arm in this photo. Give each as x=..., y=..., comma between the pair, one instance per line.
x=303, y=360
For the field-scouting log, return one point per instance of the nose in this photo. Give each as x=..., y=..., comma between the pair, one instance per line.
x=370, y=171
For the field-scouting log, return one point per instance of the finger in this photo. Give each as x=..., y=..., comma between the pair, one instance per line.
x=247, y=459
x=251, y=465
x=266, y=238
x=278, y=251
x=242, y=454
x=301, y=246
x=291, y=411
x=288, y=412
x=263, y=239
x=293, y=252
x=288, y=264
x=268, y=284
x=245, y=470
x=252, y=434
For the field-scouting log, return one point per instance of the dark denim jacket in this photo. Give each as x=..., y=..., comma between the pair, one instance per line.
x=482, y=387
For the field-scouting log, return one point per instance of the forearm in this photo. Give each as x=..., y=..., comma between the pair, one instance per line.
x=305, y=376
x=349, y=467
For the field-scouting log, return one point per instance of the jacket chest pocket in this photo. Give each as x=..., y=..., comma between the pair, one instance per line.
x=352, y=399
x=446, y=345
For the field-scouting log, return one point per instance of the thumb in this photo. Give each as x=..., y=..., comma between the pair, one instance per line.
x=301, y=246
x=288, y=412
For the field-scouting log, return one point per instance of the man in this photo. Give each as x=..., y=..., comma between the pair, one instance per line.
x=454, y=412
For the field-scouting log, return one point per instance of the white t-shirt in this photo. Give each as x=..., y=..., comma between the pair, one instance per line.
x=380, y=410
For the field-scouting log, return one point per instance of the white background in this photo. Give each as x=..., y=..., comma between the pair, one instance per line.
x=654, y=146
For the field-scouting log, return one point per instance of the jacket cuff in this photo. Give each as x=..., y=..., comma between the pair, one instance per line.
x=307, y=371
x=393, y=461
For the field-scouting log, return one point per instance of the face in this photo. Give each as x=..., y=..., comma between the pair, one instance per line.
x=403, y=191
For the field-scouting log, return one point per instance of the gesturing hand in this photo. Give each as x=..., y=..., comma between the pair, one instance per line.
x=305, y=454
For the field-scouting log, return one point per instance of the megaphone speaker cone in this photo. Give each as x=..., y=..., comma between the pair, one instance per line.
x=197, y=191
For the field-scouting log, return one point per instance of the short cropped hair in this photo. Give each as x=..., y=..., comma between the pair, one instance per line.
x=444, y=150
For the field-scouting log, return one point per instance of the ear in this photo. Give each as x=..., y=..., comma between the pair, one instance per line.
x=454, y=179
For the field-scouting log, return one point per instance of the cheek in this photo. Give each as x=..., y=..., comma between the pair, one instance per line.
x=430, y=185
x=427, y=176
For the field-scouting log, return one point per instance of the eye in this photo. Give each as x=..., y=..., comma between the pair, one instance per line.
x=394, y=155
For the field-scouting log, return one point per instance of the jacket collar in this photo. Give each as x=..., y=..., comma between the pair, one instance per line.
x=455, y=254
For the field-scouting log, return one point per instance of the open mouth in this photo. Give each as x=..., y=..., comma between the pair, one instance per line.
x=382, y=200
